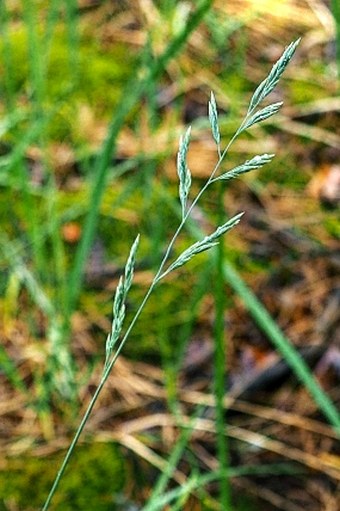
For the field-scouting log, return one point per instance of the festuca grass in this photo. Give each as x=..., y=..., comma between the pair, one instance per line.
x=116, y=339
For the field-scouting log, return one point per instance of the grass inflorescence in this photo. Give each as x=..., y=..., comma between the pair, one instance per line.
x=116, y=339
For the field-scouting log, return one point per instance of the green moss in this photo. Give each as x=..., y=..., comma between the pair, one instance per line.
x=94, y=476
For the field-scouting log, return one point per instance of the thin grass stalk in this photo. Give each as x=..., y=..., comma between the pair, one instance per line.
x=34, y=58
x=199, y=291
x=52, y=18
x=7, y=56
x=58, y=250
x=71, y=8
x=173, y=461
x=149, y=166
x=33, y=214
x=12, y=161
x=11, y=372
x=42, y=403
x=198, y=481
x=59, y=364
x=51, y=192
x=220, y=364
x=166, y=352
x=151, y=88
x=37, y=70
x=38, y=91
x=335, y=4
x=11, y=253
x=131, y=95
x=183, y=338
x=219, y=338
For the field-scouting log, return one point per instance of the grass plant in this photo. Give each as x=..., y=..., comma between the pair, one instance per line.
x=116, y=340
x=42, y=66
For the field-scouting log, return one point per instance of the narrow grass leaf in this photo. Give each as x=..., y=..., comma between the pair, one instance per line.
x=269, y=83
x=10, y=121
x=199, y=481
x=10, y=370
x=172, y=462
x=255, y=163
x=261, y=115
x=213, y=119
x=33, y=285
x=335, y=6
x=283, y=345
x=183, y=169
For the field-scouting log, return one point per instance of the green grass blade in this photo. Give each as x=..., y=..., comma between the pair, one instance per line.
x=71, y=8
x=10, y=370
x=335, y=4
x=283, y=345
x=187, y=329
x=35, y=58
x=220, y=360
x=60, y=363
x=37, y=85
x=198, y=481
x=172, y=463
x=11, y=255
x=9, y=92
